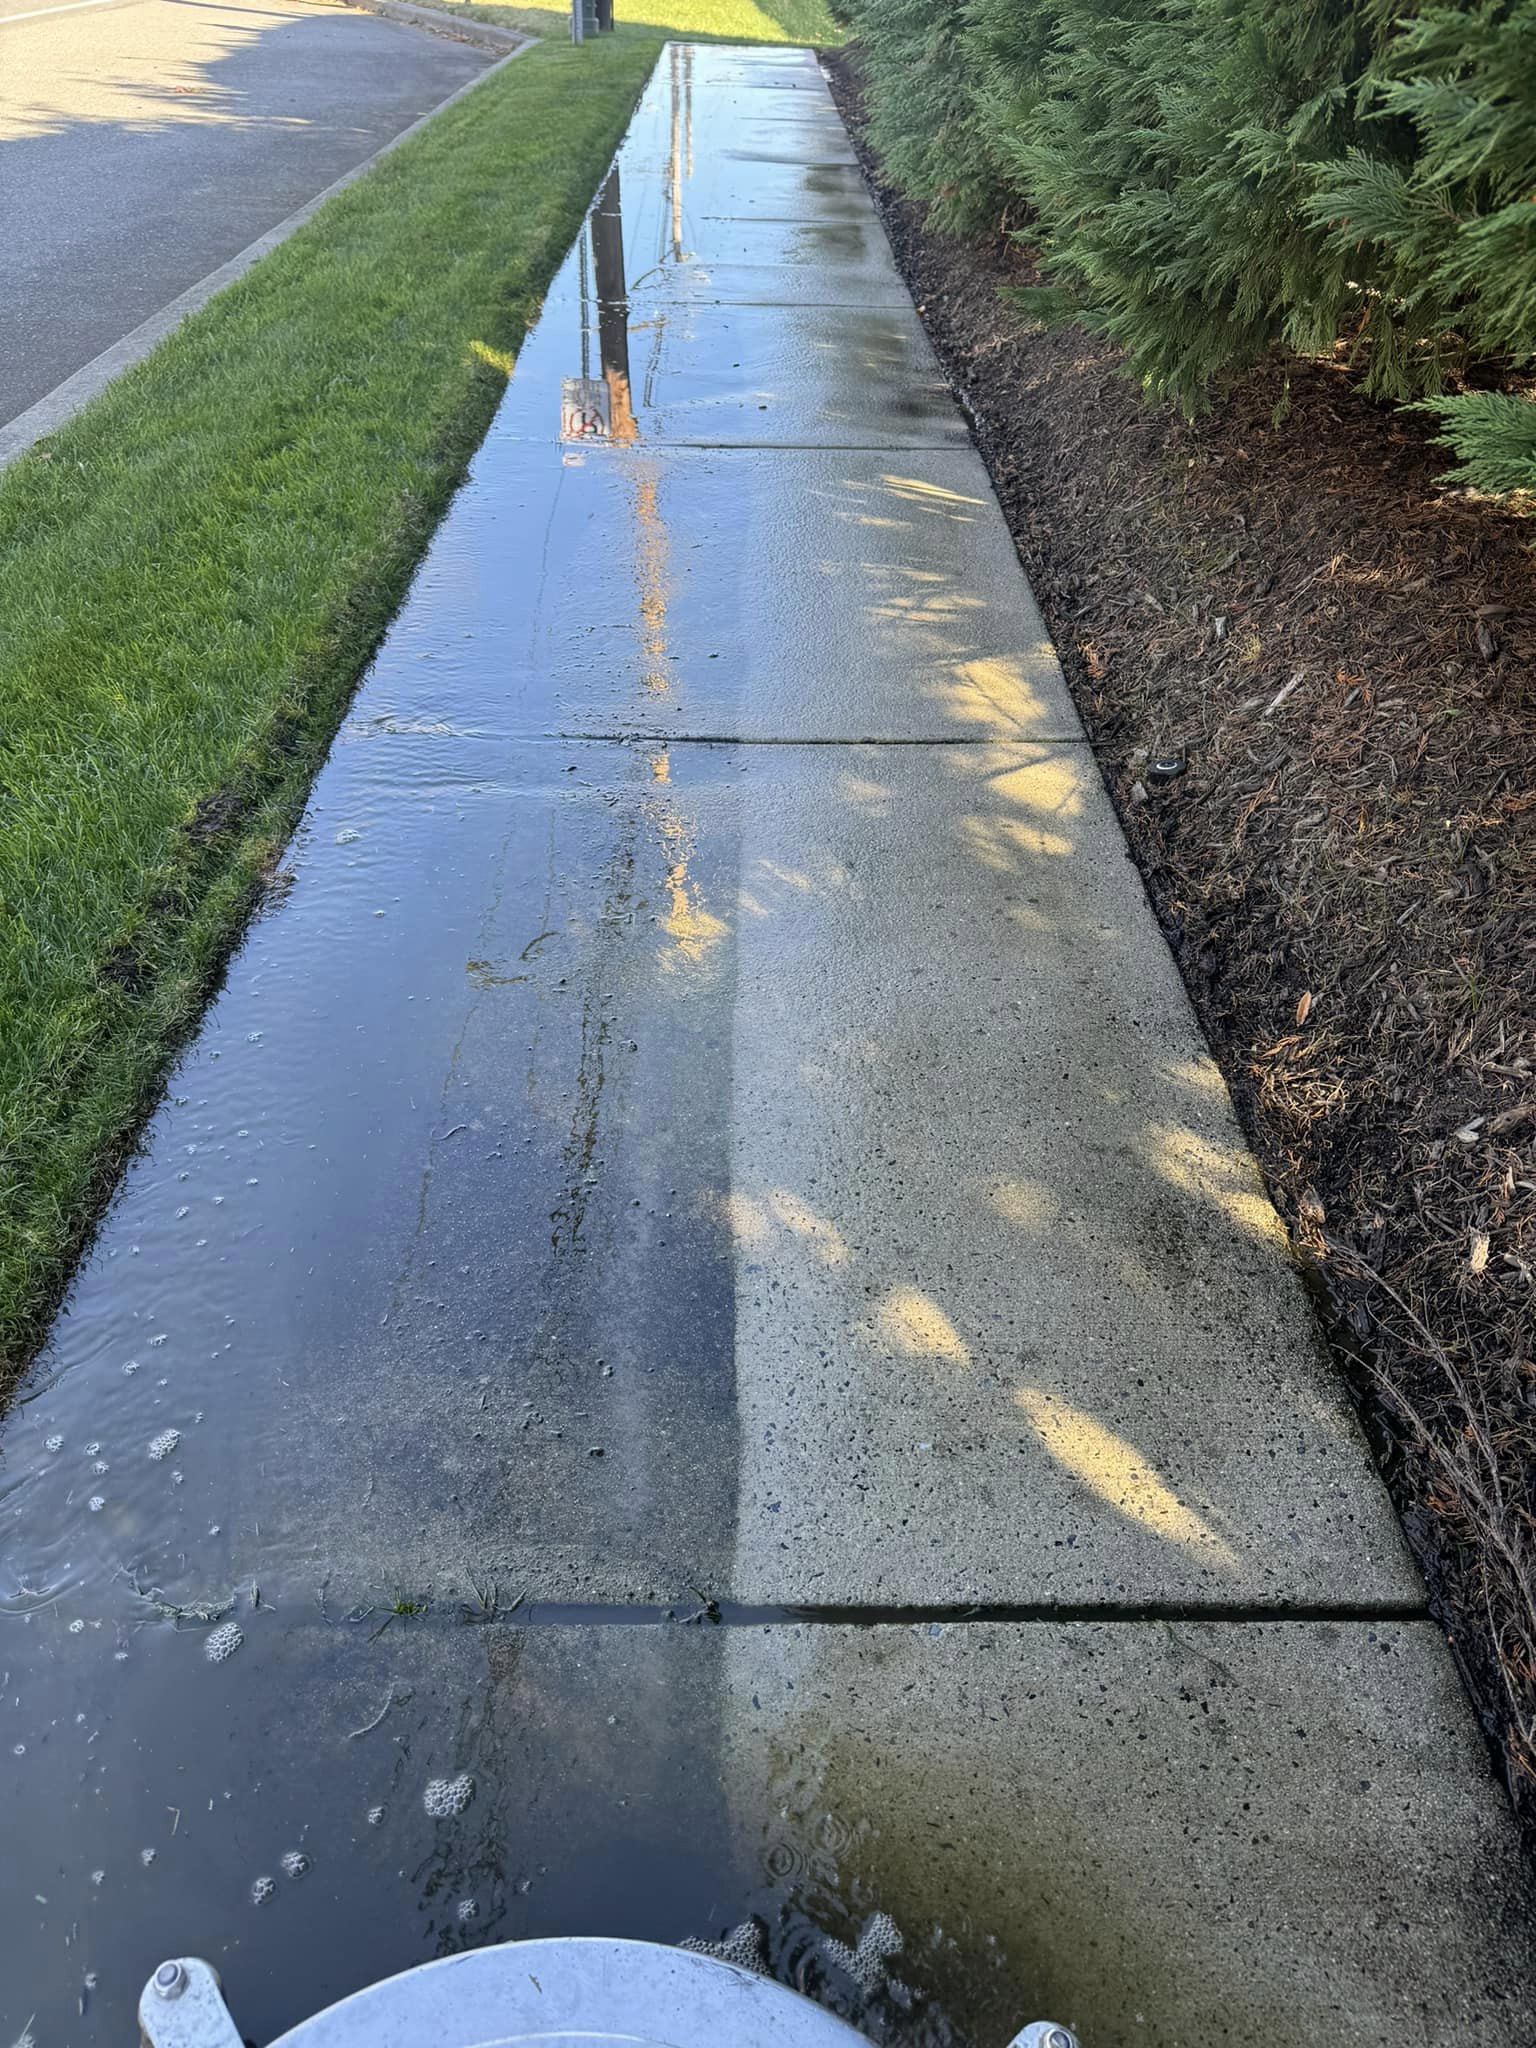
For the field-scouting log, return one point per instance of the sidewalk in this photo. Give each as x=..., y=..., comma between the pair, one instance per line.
x=713, y=1119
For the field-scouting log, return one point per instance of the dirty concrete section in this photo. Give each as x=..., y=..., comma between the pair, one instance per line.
x=695, y=1338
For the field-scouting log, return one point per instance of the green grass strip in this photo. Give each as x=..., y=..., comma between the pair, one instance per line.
x=700, y=21
x=192, y=576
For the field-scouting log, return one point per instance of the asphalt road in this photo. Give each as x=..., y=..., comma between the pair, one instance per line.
x=145, y=142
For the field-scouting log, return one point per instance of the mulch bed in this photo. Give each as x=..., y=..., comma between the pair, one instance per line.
x=1309, y=674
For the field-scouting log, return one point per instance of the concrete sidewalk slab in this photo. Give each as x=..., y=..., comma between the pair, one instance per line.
x=675, y=578
x=677, y=1011
x=784, y=262
x=1276, y=1836
x=1104, y=1823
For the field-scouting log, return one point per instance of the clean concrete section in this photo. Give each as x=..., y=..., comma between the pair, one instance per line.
x=710, y=1128
x=143, y=146
x=998, y=1233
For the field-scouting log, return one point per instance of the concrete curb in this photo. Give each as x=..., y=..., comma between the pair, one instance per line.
x=62, y=403
x=486, y=33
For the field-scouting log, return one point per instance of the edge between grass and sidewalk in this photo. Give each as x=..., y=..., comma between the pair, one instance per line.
x=194, y=572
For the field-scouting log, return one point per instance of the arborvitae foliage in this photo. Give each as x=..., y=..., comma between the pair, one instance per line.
x=1205, y=179
x=1443, y=233
x=924, y=108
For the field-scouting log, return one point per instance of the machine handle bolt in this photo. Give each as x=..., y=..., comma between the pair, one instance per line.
x=170, y=1980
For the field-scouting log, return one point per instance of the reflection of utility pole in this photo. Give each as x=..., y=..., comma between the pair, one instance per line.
x=605, y=17
x=612, y=305
x=675, y=156
x=608, y=276
x=584, y=21
x=601, y=408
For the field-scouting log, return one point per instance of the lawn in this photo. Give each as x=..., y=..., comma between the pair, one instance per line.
x=733, y=21
x=194, y=572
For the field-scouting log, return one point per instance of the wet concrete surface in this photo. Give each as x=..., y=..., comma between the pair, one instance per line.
x=671, y=1209
x=666, y=596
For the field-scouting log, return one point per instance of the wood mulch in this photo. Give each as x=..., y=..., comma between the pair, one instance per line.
x=1308, y=670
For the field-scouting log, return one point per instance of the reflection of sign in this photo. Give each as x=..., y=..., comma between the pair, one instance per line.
x=584, y=409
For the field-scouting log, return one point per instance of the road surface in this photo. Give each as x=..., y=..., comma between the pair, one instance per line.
x=144, y=143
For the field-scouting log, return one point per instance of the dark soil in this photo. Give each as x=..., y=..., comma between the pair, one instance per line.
x=1286, y=600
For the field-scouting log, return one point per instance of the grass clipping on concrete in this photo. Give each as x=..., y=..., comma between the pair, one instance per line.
x=192, y=576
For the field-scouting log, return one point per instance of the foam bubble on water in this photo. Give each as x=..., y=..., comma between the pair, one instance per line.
x=184, y=1210
x=146, y=1857
x=98, y=1877
x=53, y=1443
x=469, y=1909
x=157, y=1341
x=96, y=1503
x=101, y=1466
x=375, y=1815
x=130, y=1368
x=20, y=1749
x=445, y=1798
x=178, y=1478
x=262, y=1890
x=223, y=1641
x=92, y=1449
x=164, y=1444
x=295, y=1862
x=77, y=1627
x=346, y=835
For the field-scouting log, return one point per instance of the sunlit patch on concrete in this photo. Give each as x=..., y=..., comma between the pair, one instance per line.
x=871, y=797
x=998, y=842
x=1202, y=1074
x=1052, y=786
x=1221, y=1175
x=912, y=1322
x=994, y=693
x=930, y=496
x=1028, y=1203
x=822, y=1236
x=1117, y=1473
x=745, y=1218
